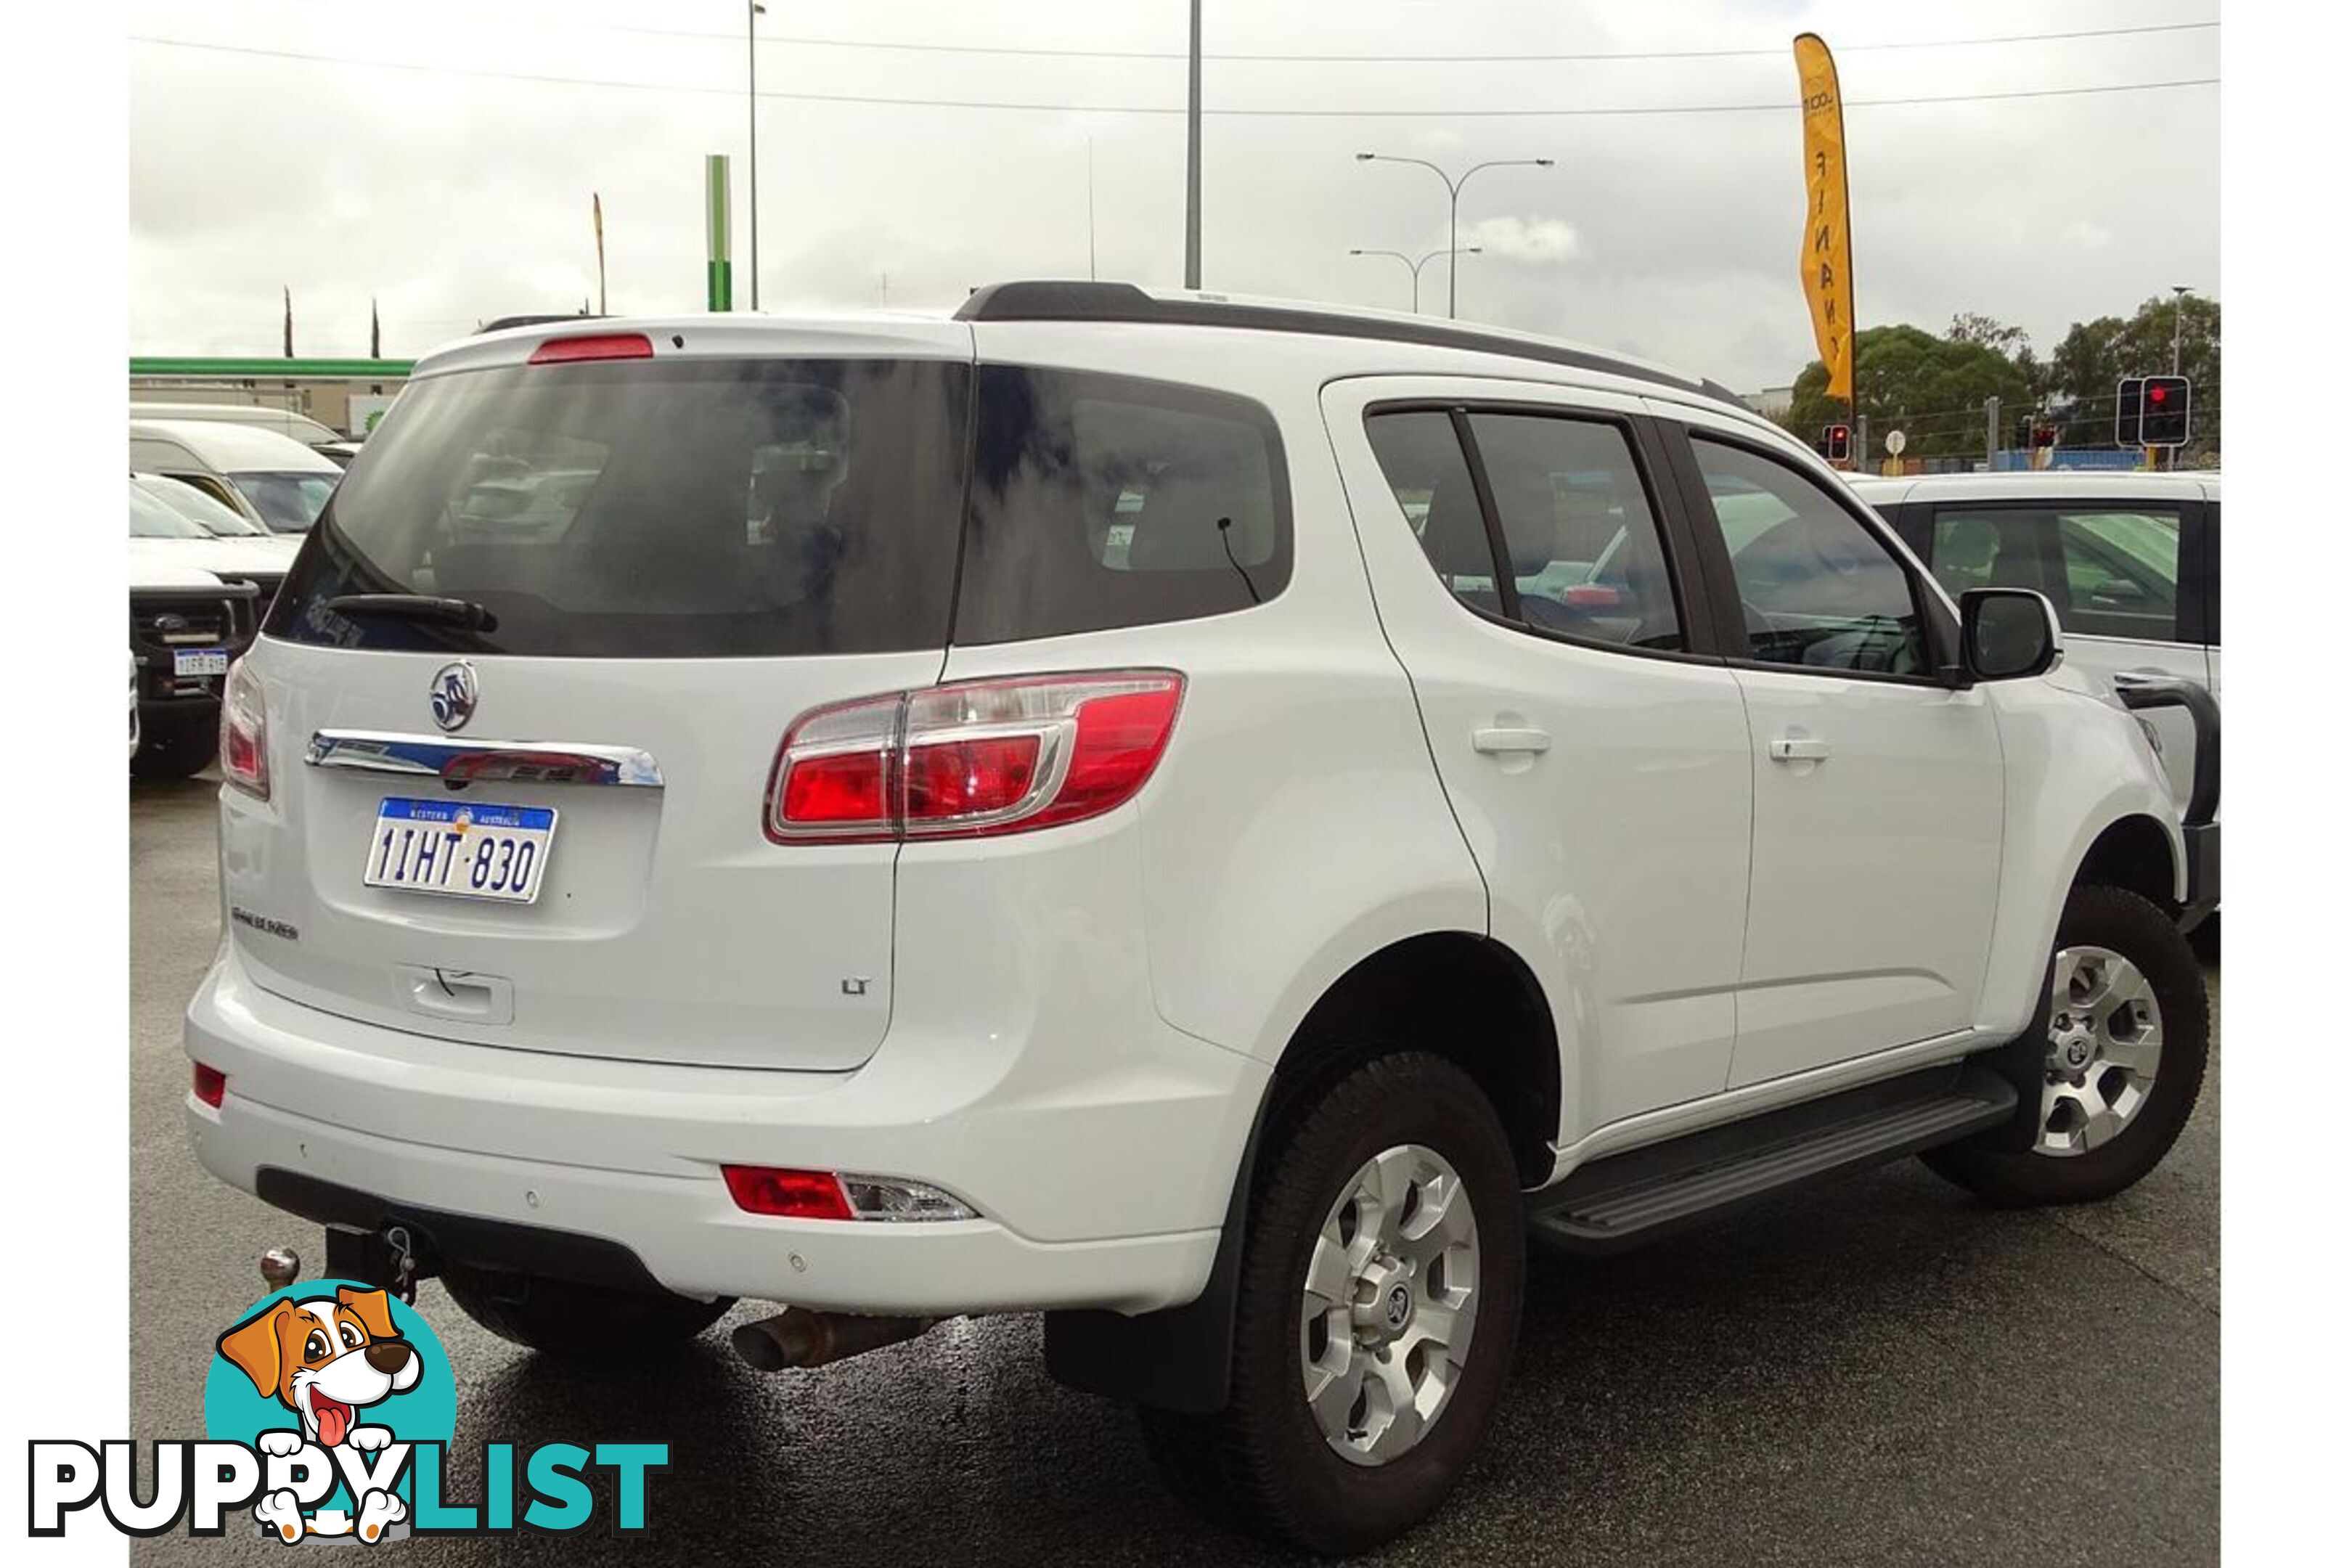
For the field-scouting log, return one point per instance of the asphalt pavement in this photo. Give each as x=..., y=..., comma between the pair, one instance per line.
x=1878, y=1371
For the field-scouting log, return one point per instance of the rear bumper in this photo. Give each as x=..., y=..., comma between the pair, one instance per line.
x=1102, y=1189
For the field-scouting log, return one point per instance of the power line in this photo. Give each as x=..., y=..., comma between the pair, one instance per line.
x=1777, y=52
x=1786, y=105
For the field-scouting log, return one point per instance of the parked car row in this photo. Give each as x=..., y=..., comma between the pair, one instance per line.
x=276, y=482
x=217, y=512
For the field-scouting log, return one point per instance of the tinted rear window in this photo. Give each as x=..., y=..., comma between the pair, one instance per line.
x=688, y=509
x=1104, y=500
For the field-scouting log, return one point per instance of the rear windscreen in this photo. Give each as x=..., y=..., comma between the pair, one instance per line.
x=692, y=509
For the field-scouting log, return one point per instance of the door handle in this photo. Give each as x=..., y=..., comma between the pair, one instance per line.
x=1799, y=749
x=1496, y=741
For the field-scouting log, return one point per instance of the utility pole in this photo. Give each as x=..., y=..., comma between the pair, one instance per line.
x=2178, y=290
x=752, y=15
x=1192, y=165
x=1992, y=432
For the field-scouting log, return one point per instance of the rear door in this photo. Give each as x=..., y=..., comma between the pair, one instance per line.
x=680, y=553
x=1878, y=789
x=1598, y=767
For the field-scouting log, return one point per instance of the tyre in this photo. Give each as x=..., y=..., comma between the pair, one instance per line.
x=578, y=1322
x=2109, y=1079
x=1379, y=1293
x=176, y=747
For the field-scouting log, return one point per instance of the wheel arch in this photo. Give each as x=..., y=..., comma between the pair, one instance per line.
x=2133, y=853
x=1458, y=995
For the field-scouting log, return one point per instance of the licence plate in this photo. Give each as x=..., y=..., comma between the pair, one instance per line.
x=465, y=849
x=200, y=661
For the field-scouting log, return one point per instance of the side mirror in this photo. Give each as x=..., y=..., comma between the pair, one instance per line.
x=2009, y=634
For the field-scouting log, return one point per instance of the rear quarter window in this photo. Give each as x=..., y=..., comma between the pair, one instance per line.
x=1099, y=501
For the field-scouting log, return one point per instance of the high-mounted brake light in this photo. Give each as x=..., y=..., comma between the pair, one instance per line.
x=593, y=345
x=244, y=732
x=972, y=759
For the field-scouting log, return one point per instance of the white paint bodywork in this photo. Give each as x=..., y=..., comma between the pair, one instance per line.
x=1072, y=1030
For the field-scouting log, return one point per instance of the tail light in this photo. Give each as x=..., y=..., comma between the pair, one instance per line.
x=244, y=732
x=208, y=1084
x=972, y=759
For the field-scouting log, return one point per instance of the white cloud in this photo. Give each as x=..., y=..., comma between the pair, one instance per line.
x=1524, y=239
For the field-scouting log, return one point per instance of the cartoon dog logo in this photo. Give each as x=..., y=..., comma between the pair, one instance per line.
x=326, y=1358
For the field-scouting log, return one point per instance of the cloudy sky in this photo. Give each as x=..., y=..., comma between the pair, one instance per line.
x=440, y=156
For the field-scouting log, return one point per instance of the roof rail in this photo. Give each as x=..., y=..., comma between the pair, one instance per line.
x=1074, y=300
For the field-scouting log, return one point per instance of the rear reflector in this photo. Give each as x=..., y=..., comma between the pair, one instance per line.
x=824, y=1195
x=209, y=1084
x=593, y=345
x=972, y=759
x=791, y=1194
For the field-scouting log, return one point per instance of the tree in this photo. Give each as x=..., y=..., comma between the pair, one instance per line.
x=2095, y=356
x=1933, y=389
x=1974, y=327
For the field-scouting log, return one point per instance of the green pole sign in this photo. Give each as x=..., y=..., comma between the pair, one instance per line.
x=721, y=270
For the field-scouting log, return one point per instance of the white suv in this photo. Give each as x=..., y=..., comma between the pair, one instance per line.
x=1214, y=822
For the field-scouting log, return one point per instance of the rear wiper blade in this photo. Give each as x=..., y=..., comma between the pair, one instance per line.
x=417, y=607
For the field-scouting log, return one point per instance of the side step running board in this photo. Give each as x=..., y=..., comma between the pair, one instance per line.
x=1642, y=1194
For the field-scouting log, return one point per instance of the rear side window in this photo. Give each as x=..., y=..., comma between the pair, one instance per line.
x=1585, y=560
x=1585, y=556
x=1422, y=458
x=688, y=509
x=1100, y=502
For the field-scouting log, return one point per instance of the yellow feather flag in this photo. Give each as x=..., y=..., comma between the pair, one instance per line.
x=1825, y=261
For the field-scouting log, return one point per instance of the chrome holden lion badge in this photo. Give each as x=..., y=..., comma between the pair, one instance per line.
x=455, y=691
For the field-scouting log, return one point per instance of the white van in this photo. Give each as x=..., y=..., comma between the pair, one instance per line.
x=272, y=479
x=284, y=421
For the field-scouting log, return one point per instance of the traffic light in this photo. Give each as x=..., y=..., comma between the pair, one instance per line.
x=2129, y=395
x=2164, y=411
x=1837, y=441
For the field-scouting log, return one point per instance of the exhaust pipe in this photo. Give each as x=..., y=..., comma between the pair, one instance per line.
x=797, y=1337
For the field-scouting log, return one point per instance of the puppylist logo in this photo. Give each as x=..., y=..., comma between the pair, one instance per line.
x=329, y=1409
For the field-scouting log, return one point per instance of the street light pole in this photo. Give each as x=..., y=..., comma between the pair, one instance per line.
x=1192, y=163
x=2178, y=290
x=1414, y=266
x=753, y=11
x=1454, y=184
